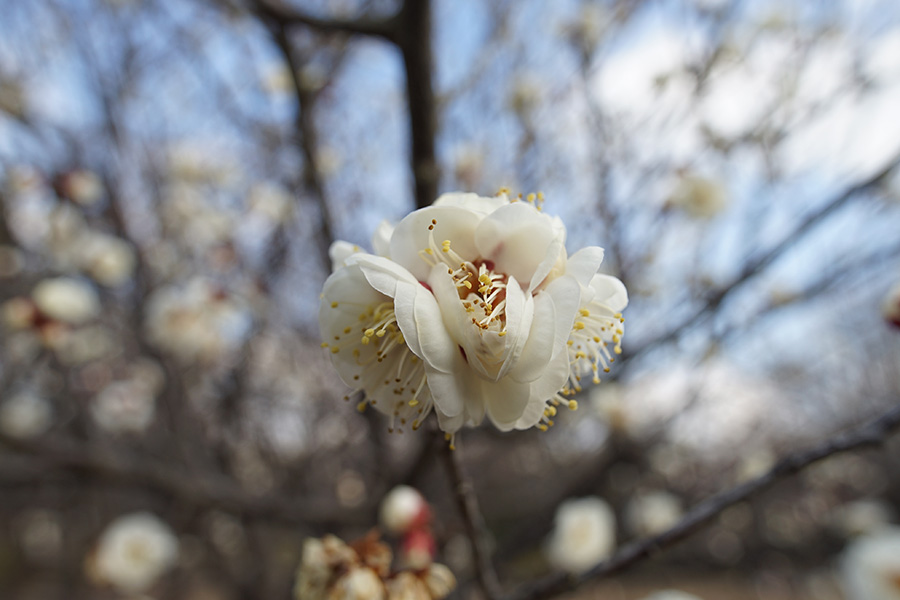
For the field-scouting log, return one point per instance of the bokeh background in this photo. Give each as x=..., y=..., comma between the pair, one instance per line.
x=172, y=173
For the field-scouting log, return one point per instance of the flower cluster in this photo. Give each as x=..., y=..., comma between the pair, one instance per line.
x=471, y=308
x=332, y=570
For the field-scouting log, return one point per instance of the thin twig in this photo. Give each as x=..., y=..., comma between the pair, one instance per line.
x=873, y=433
x=756, y=265
x=476, y=530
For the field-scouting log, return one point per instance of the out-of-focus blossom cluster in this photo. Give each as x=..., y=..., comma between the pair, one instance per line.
x=584, y=534
x=197, y=321
x=133, y=552
x=333, y=570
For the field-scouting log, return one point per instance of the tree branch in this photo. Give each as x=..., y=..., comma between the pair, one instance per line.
x=118, y=465
x=284, y=16
x=476, y=530
x=756, y=265
x=873, y=433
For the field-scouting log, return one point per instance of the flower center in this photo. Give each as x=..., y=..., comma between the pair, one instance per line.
x=481, y=290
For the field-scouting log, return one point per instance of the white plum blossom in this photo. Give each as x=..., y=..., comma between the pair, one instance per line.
x=401, y=507
x=700, y=197
x=108, y=259
x=471, y=308
x=584, y=534
x=196, y=321
x=871, y=566
x=653, y=512
x=134, y=551
x=25, y=415
x=124, y=406
x=65, y=299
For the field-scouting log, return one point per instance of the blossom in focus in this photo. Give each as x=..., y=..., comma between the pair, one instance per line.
x=133, y=552
x=584, y=533
x=890, y=307
x=332, y=570
x=700, y=197
x=471, y=308
x=871, y=566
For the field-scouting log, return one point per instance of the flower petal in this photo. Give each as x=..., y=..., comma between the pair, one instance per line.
x=340, y=251
x=505, y=401
x=382, y=273
x=381, y=239
x=566, y=294
x=539, y=347
x=473, y=202
x=412, y=235
x=584, y=264
x=609, y=291
x=435, y=346
x=543, y=389
x=520, y=241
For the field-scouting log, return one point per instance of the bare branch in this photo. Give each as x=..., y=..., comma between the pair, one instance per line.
x=756, y=265
x=118, y=465
x=873, y=433
x=284, y=16
x=476, y=530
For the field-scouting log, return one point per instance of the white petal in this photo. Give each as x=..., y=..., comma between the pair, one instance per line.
x=382, y=273
x=543, y=389
x=381, y=239
x=505, y=401
x=450, y=390
x=411, y=236
x=584, y=264
x=518, y=240
x=538, y=348
x=520, y=314
x=610, y=291
x=473, y=202
x=437, y=348
x=340, y=251
x=566, y=294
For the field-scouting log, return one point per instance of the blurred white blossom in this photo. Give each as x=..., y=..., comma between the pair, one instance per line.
x=133, y=552
x=871, y=566
x=653, y=512
x=65, y=299
x=700, y=197
x=124, y=406
x=196, y=321
x=109, y=260
x=25, y=415
x=402, y=507
x=584, y=534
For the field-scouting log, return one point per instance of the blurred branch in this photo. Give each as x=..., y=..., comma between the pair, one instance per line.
x=120, y=466
x=414, y=40
x=285, y=15
x=476, y=530
x=756, y=265
x=874, y=433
